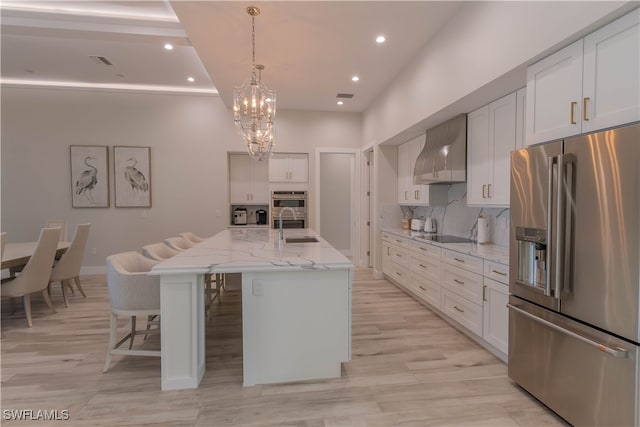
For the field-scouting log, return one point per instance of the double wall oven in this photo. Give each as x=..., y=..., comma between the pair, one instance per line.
x=296, y=216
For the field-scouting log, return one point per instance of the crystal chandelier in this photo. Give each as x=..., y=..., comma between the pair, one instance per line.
x=254, y=106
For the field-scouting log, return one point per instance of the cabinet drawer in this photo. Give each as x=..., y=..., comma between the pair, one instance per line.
x=496, y=271
x=462, y=311
x=461, y=260
x=402, y=242
x=426, y=267
x=463, y=283
x=426, y=290
x=425, y=250
x=400, y=274
x=399, y=256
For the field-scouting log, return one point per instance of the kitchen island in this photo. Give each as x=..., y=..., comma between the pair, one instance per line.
x=296, y=306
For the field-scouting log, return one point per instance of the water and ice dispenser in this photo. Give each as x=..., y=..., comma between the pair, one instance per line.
x=532, y=256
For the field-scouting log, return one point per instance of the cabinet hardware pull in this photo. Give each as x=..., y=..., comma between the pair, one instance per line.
x=405, y=195
x=459, y=309
x=484, y=187
x=584, y=108
x=459, y=260
x=417, y=194
x=489, y=191
x=423, y=266
x=573, y=106
x=422, y=249
x=398, y=255
x=398, y=274
x=499, y=272
x=459, y=282
x=423, y=288
x=484, y=290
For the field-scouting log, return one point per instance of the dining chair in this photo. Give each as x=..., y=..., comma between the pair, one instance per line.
x=132, y=292
x=55, y=223
x=179, y=243
x=158, y=251
x=35, y=274
x=192, y=237
x=68, y=267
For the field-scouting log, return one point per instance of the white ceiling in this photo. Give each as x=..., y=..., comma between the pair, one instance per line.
x=310, y=49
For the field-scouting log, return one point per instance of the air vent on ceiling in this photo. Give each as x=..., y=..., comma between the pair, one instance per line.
x=344, y=95
x=100, y=59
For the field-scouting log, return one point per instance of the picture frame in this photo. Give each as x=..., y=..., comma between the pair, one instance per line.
x=89, y=167
x=132, y=176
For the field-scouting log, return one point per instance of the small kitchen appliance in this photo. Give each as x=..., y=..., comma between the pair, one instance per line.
x=417, y=224
x=430, y=225
x=261, y=217
x=240, y=216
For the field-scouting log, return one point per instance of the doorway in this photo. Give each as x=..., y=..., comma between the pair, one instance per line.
x=336, y=199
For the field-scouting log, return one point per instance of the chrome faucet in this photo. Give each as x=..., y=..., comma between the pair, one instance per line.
x=281, y=233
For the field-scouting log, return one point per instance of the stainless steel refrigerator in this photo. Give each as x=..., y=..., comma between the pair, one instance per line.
x=574, y=275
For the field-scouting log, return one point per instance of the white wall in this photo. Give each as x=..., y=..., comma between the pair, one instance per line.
x=189, y=137
x=483, y=43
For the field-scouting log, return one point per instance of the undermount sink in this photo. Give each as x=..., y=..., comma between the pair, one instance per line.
x=305, y=239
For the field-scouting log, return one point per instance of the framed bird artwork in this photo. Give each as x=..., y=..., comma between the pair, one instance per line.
x=132, y=176
x=89, y=176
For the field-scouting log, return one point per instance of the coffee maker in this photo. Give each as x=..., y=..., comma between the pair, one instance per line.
x=261, y=217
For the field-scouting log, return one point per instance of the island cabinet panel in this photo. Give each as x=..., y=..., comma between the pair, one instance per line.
x=183, y=363
x=296, y=325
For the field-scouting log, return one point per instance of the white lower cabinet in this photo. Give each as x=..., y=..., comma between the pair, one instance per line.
x=470, y=290
x=425, y=266
x=463, y=311
x=495, y=327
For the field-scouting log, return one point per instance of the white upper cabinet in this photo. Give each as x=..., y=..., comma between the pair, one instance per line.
x=408, y=192
x=248, y=180
x=405, y=181
x=554, y=87
x=589, y=85
x=491, y=136
x=521, y=108
x=289, y=167
x=611, y=86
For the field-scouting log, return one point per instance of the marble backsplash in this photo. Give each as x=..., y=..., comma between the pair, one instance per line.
x=456, y=218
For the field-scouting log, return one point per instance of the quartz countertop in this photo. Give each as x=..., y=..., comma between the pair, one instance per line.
x=238, y=250
x=489, y=252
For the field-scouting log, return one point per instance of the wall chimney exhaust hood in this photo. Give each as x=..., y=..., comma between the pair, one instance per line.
x=443, y=159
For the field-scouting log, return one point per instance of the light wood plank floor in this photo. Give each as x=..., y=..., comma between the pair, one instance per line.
x=409, y=368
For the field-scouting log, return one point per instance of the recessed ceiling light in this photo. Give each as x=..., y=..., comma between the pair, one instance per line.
x=191, y=79
x=355, y=78
x=340, y=102
x=168, y=46
x=381, y=39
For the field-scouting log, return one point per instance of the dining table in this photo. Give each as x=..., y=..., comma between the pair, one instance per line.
x=17, y=254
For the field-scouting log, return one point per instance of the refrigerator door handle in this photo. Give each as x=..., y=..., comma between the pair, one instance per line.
x=550, y=161
x=613, y=351
x=560, y=227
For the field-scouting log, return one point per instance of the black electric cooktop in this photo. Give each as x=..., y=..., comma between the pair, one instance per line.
x=444, y=238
